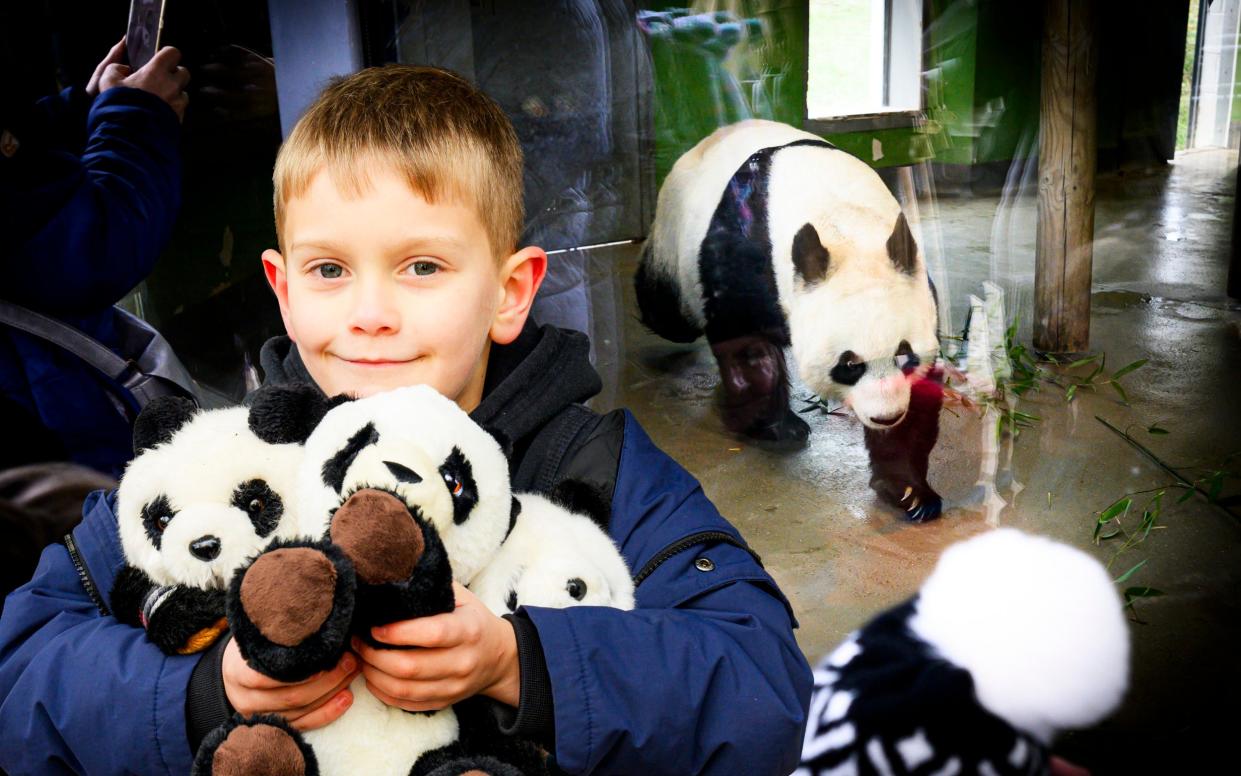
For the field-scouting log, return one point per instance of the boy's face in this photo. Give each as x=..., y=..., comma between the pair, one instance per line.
x=386, y=289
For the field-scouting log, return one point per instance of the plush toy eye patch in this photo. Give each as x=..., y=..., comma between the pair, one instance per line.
x=156, y=516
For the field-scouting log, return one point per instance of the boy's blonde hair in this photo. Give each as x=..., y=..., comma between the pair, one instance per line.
x=446, y=137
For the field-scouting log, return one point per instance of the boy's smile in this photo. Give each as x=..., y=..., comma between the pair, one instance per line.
x=384, y=289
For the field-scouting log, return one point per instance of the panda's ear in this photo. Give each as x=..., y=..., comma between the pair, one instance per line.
x=810, y=258
x=160, y=419
x=584, y=499
x=901, y=247
x=286, y=414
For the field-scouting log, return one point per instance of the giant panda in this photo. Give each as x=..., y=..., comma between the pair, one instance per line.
x=1013, y=639
x=767, y=237
x=397, y=494
x=202, y=496
x=555, y=558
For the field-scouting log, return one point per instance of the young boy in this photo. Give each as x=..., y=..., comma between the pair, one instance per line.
x=398, y=206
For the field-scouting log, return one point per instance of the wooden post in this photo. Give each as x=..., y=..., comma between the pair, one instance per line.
x=1067, y=145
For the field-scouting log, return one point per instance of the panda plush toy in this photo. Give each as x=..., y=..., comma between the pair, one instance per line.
x=397, y=494
x=1012, y=639
x=767, y=237
x=203, y=495
x=555, y=558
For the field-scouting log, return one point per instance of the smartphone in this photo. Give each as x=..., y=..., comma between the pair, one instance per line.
x=146, y=22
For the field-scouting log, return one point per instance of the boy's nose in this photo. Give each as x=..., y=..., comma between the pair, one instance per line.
x=374, y=311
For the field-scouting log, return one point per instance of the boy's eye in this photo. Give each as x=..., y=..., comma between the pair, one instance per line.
x=329, y=271
x=423, y=268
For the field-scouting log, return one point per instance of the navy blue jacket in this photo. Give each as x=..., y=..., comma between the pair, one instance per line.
x=86, y=204
x=703, y=677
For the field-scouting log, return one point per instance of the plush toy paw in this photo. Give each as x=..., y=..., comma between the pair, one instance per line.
x=918, y=501
x=401, y=566
x=291, y=608
x=262, y=745
x=179, y=619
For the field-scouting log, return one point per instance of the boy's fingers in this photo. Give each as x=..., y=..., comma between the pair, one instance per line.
x=346, y=666
x=434, y=631
x=181, y=76
x=310, y=698
x=329, y=711
x=381, y=686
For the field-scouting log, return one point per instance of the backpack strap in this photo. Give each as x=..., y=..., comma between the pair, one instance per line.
x=153, y=371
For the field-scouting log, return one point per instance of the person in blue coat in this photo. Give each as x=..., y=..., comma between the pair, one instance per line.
x=90, y=185
x=703, y=676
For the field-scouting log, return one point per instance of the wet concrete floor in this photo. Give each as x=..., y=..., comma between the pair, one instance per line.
x=1160, y=266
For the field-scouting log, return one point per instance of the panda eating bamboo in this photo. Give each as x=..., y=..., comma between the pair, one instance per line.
x=767, y=237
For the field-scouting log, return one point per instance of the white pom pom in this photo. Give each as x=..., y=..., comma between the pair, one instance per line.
x=1038, y=624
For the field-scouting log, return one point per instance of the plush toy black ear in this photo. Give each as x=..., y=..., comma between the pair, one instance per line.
x=160, y=419
x=286, y=414
x=585, y=499
x=902, y=248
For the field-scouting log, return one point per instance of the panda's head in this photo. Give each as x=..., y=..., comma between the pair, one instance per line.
x=203, y=494
x=554, y=558
x=863, y=321
x=423, y=448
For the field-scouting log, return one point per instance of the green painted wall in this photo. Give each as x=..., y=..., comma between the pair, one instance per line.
x=719, y=62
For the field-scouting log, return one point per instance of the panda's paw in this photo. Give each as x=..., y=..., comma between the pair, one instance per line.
x=790, y=432
x=917, y=502
x=291, y=608
x=401, y=565
x=261, y=745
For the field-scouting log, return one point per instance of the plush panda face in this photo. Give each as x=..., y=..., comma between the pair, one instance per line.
x=554, y=558
x=193, y=508
x=421, y=446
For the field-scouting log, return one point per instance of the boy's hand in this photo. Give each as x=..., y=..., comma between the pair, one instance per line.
x=162, y=76
x=307, y=705
x=466, y=652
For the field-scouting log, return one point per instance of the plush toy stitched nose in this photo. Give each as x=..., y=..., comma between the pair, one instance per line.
x=205, y=548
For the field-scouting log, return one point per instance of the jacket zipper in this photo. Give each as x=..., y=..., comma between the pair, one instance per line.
x=681, y=545
x=83, y=574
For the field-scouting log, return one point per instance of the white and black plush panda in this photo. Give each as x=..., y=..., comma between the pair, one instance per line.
x=397, y=494
x=556, y=558
x=1012, y=639
x=767, y=237
x=203, y=495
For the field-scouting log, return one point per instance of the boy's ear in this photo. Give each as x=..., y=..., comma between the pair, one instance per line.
x=520, y=278
x=278, y=279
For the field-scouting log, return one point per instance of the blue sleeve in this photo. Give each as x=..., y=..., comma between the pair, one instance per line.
x=101, y=219
x=705, y=676
x=80, y=692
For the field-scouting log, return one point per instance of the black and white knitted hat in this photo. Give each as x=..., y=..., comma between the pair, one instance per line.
x=1012, y=639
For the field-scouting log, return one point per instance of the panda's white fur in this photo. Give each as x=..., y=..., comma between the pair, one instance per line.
x=375, y=738
x=418, y=429
x=548, y=547
x=198, y=470
x=865, y=304
x=1038, y=624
